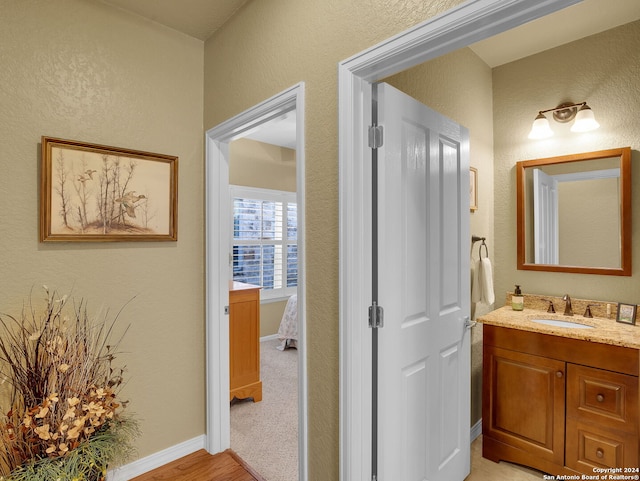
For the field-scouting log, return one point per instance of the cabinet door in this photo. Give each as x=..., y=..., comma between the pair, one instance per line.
x=524, y=402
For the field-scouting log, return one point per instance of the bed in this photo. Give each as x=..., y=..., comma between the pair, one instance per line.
x=288, y=330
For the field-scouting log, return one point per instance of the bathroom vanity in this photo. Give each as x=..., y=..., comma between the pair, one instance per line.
x=562, y=400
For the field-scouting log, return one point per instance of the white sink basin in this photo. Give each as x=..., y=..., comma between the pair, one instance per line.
x=559, y=323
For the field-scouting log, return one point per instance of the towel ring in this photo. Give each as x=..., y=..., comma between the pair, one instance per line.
x=486, y=249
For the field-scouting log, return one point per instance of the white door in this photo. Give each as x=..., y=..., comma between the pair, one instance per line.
x=423, y=287
x=545, y=218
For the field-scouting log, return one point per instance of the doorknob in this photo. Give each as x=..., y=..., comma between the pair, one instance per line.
x=468, y=323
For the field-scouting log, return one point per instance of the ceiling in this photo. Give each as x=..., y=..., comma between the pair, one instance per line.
x=572, y=23
x=196, y=18
x=280, y=131
x=201, y=19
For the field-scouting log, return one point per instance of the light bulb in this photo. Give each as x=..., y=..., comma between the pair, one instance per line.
x=540, y=128
x=585, y=120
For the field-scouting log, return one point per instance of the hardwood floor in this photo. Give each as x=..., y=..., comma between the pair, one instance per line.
x=202, y=466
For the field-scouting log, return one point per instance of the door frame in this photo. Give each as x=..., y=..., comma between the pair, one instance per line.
x=472, y=21
x=217, y=205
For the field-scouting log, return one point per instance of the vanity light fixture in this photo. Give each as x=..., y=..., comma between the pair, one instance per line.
x=565, y=112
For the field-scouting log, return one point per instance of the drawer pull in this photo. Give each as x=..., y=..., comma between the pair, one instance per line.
x=600, y=398
x=599, y=453
x=559, y=374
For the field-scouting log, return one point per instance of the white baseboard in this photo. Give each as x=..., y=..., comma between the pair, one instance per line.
x=476, y=430
x=269, y=338
x=153, y=461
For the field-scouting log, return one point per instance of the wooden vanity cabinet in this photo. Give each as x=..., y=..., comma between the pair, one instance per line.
x=562, y=406
x=244, y=342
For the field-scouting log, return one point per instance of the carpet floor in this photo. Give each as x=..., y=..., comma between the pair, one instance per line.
x=265, y=434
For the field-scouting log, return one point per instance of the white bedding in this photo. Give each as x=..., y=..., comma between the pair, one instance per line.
x=288, y=330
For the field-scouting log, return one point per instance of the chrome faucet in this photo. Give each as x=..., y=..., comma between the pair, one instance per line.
x=567, y=307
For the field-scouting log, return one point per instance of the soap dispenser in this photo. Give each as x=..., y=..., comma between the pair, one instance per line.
x=517, y=300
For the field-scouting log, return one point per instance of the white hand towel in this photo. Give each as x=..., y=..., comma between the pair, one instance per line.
x=486, y=281
x=476, y=286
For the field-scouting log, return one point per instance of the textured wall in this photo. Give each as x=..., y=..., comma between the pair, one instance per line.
x=458, y=85
x=603, y=70
x=266, y=48
x=77, y=69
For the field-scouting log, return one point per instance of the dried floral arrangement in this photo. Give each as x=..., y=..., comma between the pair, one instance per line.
x=61, y=417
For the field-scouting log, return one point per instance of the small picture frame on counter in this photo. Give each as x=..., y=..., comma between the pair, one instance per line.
x=626, y=313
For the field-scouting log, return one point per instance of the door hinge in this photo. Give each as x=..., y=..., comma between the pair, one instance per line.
x=375, y=136
x=376, y=316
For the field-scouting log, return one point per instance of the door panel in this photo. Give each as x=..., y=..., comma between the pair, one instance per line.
x=415, y=442
x=423, y=286
x=449, y=226
x=449, y=402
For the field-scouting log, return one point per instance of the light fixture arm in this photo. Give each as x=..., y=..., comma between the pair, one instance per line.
x=564, y=112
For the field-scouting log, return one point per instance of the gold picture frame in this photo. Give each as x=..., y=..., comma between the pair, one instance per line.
x=98, y=193
x=473, y=189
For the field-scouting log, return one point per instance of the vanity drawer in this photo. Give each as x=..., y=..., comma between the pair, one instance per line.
x=589, y=447
x=607, y=398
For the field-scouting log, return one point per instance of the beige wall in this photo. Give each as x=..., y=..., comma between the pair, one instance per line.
x=266, y=48
x=458, y=85
x=603, y=70
x=266, y=166
x=583, y=205
x=77, y=69
x=256, y=164
x=270, y=317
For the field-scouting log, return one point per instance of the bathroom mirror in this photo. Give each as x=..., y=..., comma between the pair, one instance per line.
x=574, y=213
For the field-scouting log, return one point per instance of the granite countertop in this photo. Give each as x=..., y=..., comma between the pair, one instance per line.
x=606, y=331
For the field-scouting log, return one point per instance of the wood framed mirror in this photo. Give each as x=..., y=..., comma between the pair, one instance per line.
x=574, y=213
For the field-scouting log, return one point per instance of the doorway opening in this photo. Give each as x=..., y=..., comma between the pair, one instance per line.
x=220, y=258
x=459, y=27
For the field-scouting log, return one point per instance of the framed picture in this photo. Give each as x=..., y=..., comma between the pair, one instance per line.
x=473, y=188
x=92, y=192
x=626, y=313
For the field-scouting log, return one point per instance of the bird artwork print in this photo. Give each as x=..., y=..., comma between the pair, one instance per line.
x=129, y=201
x=86, y=175
x=100, y=193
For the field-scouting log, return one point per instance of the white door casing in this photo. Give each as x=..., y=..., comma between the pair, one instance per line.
x=217, y=265
x=545, y=218
x=469, y=22
x=423, y=287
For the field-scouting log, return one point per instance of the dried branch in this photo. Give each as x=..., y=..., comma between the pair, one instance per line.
x=60, y=381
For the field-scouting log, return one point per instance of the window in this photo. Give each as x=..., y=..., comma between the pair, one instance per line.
x=264, y=243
